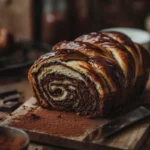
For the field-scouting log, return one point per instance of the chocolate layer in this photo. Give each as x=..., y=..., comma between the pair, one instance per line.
x=64, y=92
x=91, y=75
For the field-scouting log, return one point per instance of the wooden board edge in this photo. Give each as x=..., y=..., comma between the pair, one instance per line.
x=31, y=103
x=75, y=144
x=143, y=138
x=21, y=110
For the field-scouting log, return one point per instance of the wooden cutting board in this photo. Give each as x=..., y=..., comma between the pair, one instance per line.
x=130, y=138
x=67, y=129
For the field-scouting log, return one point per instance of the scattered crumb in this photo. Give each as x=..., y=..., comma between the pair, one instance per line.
x=31, y=110
x=2, y=119
x=24, y=107
x=36, y=104
x=59, y=116
x=10, y=114
x=16, y=118
x=35, y=117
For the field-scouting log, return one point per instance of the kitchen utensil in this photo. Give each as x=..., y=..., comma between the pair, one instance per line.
x=9, y=133
x=118, y=124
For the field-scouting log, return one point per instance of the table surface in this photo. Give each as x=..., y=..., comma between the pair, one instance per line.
x=24, y=87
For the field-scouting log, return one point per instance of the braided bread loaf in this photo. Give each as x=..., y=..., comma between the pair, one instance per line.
x=90, y=75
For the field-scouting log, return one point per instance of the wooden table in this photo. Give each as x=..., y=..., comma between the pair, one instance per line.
x=24, y=87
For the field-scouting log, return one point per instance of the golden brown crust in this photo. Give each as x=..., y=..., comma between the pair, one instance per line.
x=83, y=47
x=129, y=45
x=117, y=51
x=77, y=65
x=90, y=75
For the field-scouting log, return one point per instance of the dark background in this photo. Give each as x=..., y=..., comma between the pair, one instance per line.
x=51, y=21
x=72, y=18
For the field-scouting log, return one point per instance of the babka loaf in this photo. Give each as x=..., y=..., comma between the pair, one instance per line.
x=91, y=75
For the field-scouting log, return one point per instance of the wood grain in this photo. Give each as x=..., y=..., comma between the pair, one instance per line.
x=128, y=139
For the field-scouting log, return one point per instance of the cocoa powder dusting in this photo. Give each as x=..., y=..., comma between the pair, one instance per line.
x=12, y=143
x=55, y=123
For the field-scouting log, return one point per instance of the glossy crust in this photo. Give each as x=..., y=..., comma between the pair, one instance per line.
x=83, y=47
x=117, y=51
x=90, y=75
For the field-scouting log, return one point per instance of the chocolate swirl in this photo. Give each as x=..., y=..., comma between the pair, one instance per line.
x=65, y=80
x=90, y=75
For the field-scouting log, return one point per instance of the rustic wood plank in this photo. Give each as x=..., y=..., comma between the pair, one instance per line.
x=131, y=138
x=22, y=86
